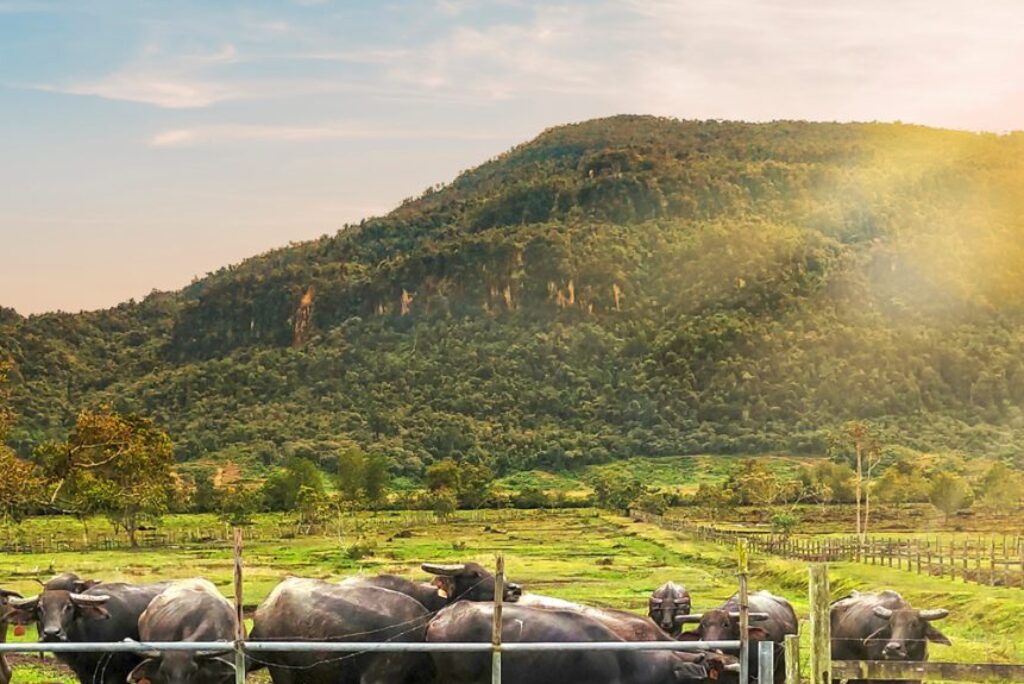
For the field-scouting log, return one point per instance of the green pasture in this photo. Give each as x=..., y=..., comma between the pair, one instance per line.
x=581, y=555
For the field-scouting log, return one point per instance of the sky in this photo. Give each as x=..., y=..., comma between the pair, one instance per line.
x=145, y=144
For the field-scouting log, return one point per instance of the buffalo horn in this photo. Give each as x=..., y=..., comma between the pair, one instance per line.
x=933, y=614
x=30, y=602
x=692, y=617
x=732, y=667
x=83, y=599
x=6, y=593
x=439, y=569
x=883, y=612
x=753, y=617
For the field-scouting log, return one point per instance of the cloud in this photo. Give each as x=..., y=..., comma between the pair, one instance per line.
x=171, y=82
x=229, y=133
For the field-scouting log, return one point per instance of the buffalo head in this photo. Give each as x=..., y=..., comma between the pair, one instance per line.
x=56, y=610
x=179, y=667
x=668, y=605
x=905, y=627
x=468, y=581
x=722, y=625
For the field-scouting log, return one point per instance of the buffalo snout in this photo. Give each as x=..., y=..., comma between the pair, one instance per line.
x=895, y=650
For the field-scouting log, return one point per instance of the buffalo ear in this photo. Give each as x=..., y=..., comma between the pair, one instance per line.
x=757, y=634
x=690, y=635
x=938, y=637
x=95, y=612
x=143, y=671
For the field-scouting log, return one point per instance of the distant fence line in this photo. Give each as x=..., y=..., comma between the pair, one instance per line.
x=995, y=560
x=13, y=540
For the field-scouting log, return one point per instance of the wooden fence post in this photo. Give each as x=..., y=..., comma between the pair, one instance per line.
x=499, y=596
x=821, y=640
x=239, y=610
x=742, y=556
x=791, y=646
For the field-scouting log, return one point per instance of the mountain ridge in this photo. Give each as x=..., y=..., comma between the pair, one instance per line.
x=636, y=283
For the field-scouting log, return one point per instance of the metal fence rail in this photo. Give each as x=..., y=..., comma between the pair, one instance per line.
x=363, y=646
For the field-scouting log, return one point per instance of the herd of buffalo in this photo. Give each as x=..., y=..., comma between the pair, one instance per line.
x=456, y=606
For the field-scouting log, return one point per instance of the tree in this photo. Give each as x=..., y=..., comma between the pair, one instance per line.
x=614, y=492
x=714, y=500
x=1002, y=489
x=120, y=466
x=901, y=483
x=281, y=490
x=352, y=465
x=860, y=438
x=21, y=484
x=362, y=477
x=204, y=495
x=469, y=482
x=949, y=493
x=239, y=503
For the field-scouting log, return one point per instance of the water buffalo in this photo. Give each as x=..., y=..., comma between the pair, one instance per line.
x=459, y=581
x=190, y=610
x=313, y=610
x=868, y=626
x=771, y=617
x=471, y=622
x=101, y=612
x=5, y=668
x=668, y=605
x=627, y=626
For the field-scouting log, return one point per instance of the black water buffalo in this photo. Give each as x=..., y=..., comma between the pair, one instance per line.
x=459, y=581
x=313, y=610
x=867, y=626
x=627, y=626
x=471, y=622
x=668, y=605
x=190, y=610
x=5, y=668
x=100, y=612
x=771, y=617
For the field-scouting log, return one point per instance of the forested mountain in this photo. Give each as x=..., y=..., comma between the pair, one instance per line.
x=624, y=286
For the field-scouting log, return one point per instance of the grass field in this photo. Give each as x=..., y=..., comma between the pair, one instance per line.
x=583, y=555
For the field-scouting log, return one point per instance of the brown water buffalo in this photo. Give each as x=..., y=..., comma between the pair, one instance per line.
x=189, y=610
x=668, y=605
x=5, y=668
x=100, y=612
x=771, y=618
x=883, y=626
x=471, y=622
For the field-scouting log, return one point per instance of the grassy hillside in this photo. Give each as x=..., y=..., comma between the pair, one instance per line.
x=621, y=287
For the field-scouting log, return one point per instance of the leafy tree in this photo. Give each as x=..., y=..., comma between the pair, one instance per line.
x=949, y=493
x=858, y=442
x=362, y=477
x=469, y=482
x=784, y=522
x=655, y=503
x=614, y=492
x=829, y=482
x=901, y=483
x=239, y=503
x=714, y=500
x=281, y=490
x=1002, y=489
x=21, y=485
x=205, y=497
x=531, y=497
x=119, y=466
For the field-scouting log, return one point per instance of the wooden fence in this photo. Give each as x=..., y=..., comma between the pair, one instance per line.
x=996, y=560
x=15, y=540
